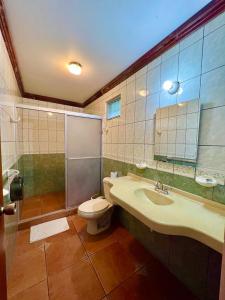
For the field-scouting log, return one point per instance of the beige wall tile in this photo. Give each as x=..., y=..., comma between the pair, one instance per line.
x=192, y=38
x=186, y=56
x=213, y=50
x=213, y=88
x=212, y=126
x=190, y=60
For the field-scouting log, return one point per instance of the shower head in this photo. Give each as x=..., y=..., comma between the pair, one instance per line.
x=11, y=118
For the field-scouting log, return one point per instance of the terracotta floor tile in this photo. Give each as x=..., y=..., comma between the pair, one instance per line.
x=23, y=244
x=63, y=253
x=31, y=202
x=117, y=261
x=132, y=246
x=77, y=283
x=36, y=292
x=113, y=265
x=79, y=223
x=147, y=284
x=31, y=213
x=137, y=287
x=94, y=243
x=52, y=202
x=26, y=270
x=31, y=207
x=41, y=204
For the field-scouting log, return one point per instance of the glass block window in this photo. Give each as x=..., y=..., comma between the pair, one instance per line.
x=113, y=107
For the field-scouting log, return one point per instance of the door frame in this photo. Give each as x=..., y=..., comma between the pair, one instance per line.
x=3, y=278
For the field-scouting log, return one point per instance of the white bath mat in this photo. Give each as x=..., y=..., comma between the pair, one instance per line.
x=44, y=230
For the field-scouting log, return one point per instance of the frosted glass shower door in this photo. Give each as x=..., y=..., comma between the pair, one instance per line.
x=83, y=159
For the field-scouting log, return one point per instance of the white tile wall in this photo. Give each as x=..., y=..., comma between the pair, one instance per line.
x=42, y=132
x=198, y=61
x=46, y=132
x=9, y=96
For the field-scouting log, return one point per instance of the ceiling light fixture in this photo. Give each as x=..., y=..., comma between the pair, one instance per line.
x=74, y=68
x=171, y=86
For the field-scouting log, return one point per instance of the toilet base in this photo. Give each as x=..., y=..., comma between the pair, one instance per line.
x=101, y=224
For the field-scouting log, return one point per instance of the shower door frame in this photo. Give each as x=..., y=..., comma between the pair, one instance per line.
x=80, y=115
x=65, y=113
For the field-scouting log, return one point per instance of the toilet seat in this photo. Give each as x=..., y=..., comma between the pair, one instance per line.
x=94, y=206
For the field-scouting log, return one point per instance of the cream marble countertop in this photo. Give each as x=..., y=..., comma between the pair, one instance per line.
x=187, y=215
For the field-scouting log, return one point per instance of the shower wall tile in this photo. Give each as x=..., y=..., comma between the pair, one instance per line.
x=43, y=132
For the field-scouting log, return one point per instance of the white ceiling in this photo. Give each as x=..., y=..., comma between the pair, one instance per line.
x=105, y=36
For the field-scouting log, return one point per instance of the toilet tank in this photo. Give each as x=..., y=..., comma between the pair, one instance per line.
x=107, y=186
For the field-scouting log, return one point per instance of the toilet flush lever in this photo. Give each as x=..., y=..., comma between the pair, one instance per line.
x=9, y=209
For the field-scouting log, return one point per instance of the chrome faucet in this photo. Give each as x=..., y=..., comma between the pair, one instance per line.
x=160, y=187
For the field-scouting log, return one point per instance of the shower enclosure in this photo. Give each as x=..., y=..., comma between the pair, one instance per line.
x=42, y=163
x=60, y=162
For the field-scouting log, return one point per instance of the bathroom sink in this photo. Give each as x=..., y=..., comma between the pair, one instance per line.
x=154, y=196
x=176, y=213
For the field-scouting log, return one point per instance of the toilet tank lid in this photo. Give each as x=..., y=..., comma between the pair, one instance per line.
x=94, y=205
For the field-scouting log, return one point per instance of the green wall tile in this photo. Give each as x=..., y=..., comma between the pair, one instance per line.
x=43, y=173
x=219, y=194
x=181, y=182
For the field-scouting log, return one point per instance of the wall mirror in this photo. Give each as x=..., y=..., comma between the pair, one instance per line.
x=176, y=132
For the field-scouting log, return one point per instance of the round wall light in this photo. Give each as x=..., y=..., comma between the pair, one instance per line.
x=143, y=93
x=74, y=68
x=171, y=86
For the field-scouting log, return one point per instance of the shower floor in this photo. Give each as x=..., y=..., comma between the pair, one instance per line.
x=39, y=205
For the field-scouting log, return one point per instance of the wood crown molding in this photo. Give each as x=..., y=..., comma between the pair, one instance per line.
x=211, y=10
x=52, y=99
x=208, y=12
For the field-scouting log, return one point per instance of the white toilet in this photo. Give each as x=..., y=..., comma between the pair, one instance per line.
x=98, y=211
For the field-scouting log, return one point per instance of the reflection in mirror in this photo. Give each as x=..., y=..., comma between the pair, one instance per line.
x=176, y=132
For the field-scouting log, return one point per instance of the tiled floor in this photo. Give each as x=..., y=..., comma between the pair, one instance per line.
x=39, y=205
x=75, y=265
